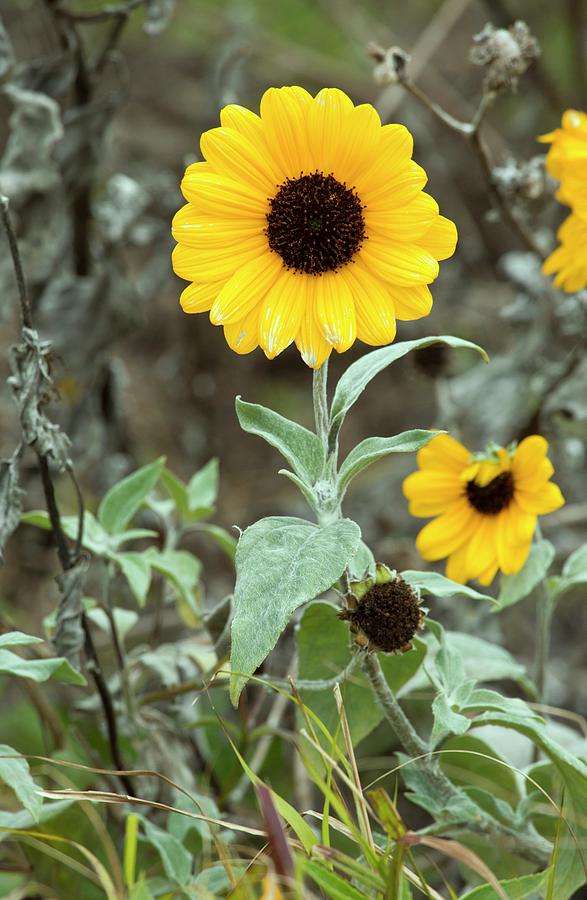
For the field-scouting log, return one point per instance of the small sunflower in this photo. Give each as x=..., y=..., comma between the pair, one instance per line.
x=569, y=261
x=486, y=505
x=567, y=159
x=308, y=223
x=567, y=162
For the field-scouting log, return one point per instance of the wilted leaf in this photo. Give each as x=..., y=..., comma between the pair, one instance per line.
x=6, y=51
x=69, y=633
x=28, y=165
x=11, y=495
x=32, y=387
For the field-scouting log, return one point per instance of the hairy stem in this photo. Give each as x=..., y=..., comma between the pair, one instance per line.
x=544, y=613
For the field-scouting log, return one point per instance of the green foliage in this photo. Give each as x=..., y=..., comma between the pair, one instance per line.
x=514, y=588
x=574, y=573
x=124, y=500
x=372, y=449
x=440, y=586
x=324, y=653
x=16, y=774
x=301, y=448
x=280, y=564
x=360, y=373
x=57, y=668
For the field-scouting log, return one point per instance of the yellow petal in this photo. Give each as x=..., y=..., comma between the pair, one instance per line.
x=397, y=190
x=246, y=289
x=481, y=547
x=373, y=306
x=410, y=302
x=447, y=533
x=402, y=264
x=235, y=156
x=197, y=298
x=326, y=116
x=313, y=346
x=515, y=558
x=392, y=163
x=242, y=336
x=359, y=145
x=441, y=238
x=215, y=264
x=486, y=577
x=404, y=223
x=242, y=120
x=284, y=116
x=335, y=310
x=190, y=228
x=431, y=492
x=282, y=312
x=444, y=452
x=545, y=500
x=221, y=197
x=456, y=566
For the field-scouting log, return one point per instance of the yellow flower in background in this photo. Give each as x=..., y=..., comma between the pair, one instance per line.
x=486, y=505
x=567, y=162
x=308, y=223
x=569, y=261
x=567, y=159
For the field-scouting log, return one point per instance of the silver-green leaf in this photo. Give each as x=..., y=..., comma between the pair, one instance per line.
x=280, y=564
x=441, y=586
x=374, y=448
x=300, y=447
x=358, y=375
x=16, y=774
x=514, y=588
x=122, y=501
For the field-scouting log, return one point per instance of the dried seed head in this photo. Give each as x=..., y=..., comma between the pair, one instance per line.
x=391, y=64
x=506, y=52
x=388, y=615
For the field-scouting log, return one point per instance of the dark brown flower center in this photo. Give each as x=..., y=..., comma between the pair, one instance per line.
x=390, y=615
x=315, y=223
x=490, y=499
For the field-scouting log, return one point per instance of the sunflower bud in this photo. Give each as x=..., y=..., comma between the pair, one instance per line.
x=387, y=614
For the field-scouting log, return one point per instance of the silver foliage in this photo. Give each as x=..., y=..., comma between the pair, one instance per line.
x=69, y=633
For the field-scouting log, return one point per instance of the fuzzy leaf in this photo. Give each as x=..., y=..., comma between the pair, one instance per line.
x=280, y=564
x=300, y=447
x=124, y=499
x=514, y=588
x=358, y=375
x=440, y=586
x=39, y=669
x=18, y=638
x=16, y=774
x=69, y=634
x=176, y=860
x=202, y=490
x=374, y=448
x=136, y=569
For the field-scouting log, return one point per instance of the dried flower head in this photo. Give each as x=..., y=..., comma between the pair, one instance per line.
x=390, y=64
x=505, y=52
x=308, y=223
x=521, y=179
x=387, y=615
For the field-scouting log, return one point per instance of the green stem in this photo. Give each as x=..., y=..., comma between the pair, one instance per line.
x=544, y=613
x=440, y=788
x=320, y=395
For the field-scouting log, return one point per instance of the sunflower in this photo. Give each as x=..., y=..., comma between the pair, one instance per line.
x=567, y=159
x=569, y=260
x=567, y=162
x=486, y=504
x=308, y=223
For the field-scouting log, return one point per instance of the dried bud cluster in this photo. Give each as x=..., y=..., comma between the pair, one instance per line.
x=521, y=180
x=387, y=615
x=506, y=52
x=391, y=64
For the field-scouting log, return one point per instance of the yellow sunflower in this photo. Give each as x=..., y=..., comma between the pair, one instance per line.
x=567, y=159
x=486, y=505
x=569, y=261
x=308, y=223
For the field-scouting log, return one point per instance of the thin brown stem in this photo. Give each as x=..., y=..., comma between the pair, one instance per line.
x=25, y=306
